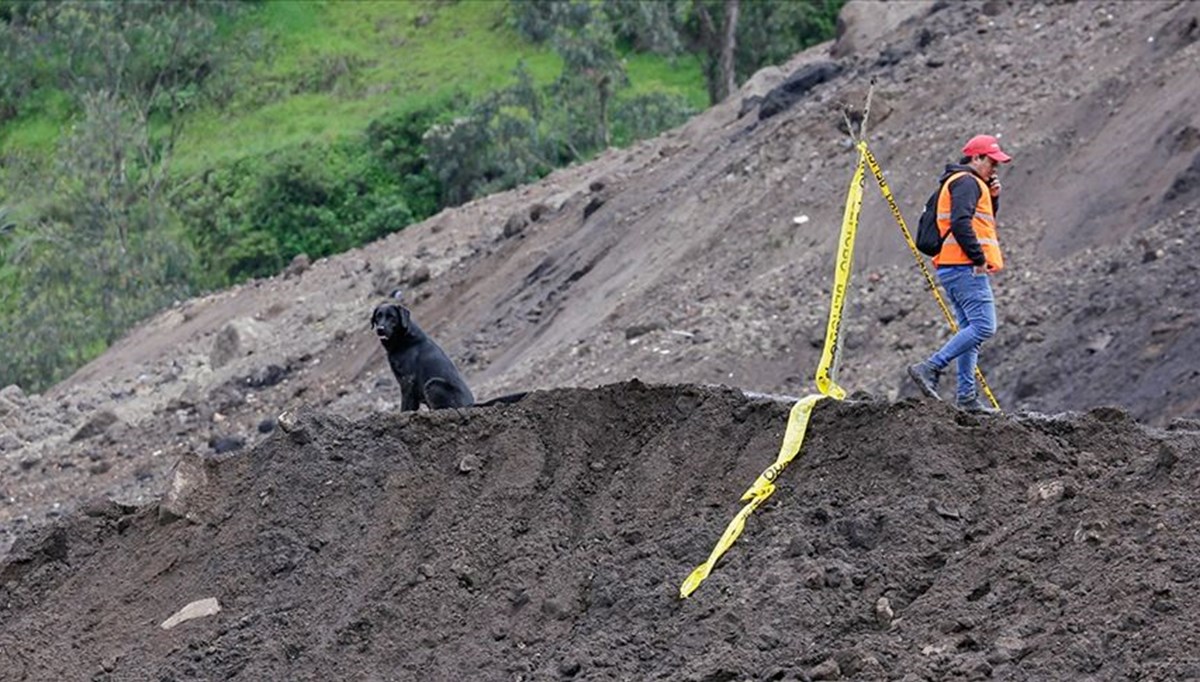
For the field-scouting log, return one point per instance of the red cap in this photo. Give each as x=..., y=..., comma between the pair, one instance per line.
x=986, y=144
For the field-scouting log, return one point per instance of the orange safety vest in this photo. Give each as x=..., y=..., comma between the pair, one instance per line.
x=983, y=223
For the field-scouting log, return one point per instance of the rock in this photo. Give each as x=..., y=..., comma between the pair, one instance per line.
x=236, y=339
x=95, y=425
x=1091, y=532
x=299, y=264
x=469, y=463
x=761, y=83
x=420, y=274
x=9, y=442
x=12, y=399
x=1045, y=491
x=1006, y=649
x=594, y=203
x=635, y=330
x=1098, y=342
x=1109, y=414
x=224, y=444
x=864, y=25
x=883, y=612
x=826, y=670
x=796, y=87
x=515, y=225
x=189, y=478
x=850, y=103
x=200, y=608
x=400, y=270
x=1184, y=424
x=290, y=423
x=858, y=664
x=265, y=377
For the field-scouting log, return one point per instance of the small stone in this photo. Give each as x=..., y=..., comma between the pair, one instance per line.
x=299, y=264
x=515, y=225
x=290, y=424
x=188, y=479
x=826, y=670
x=1046, y=491
x=884, y=612
x=1007, y=648
x=96, y=425
x=198, y=609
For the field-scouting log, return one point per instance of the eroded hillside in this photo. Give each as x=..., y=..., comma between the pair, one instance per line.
x=702, y=257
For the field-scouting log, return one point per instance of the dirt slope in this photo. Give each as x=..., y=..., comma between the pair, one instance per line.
x=699, y=258
x=547, y=540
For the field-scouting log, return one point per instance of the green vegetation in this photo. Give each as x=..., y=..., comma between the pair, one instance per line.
x=152, y=150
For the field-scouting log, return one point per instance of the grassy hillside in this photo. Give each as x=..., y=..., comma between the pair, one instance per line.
x=183, y=147
x=332, y=67
x=325, y=70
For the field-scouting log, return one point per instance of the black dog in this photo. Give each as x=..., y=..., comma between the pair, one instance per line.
x=425, y=373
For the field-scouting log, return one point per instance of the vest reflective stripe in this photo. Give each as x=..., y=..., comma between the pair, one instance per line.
x=981, y=216
x=983, y=224
x=951, y=240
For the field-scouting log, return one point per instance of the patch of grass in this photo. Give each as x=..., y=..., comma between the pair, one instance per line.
x=331, y=67
x=335, y=66
x=38, y=132
x=681, y=76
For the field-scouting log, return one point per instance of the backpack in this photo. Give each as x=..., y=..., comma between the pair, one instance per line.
x=929, y=237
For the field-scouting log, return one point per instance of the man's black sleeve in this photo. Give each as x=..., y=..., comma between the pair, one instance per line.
x=964, y=197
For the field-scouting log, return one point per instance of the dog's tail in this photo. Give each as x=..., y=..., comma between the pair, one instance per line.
x=504, y=399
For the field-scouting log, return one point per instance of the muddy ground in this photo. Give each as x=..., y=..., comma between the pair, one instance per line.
x=548, y=540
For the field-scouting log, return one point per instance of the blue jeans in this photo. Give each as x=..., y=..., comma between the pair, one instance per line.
x=975, y=307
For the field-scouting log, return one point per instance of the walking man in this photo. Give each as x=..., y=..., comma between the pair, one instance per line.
x=966, y=216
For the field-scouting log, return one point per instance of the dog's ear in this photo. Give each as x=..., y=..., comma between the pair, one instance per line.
x=374, y=316
x=404, y=317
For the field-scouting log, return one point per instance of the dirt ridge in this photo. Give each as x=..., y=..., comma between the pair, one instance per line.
x=547, y=540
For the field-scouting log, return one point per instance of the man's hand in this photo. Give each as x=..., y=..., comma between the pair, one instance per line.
x=994, y=186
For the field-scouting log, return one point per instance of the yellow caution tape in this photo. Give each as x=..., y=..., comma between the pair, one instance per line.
x=758, y=493
x=793, y=437
x=827, y=369
x=826, y=378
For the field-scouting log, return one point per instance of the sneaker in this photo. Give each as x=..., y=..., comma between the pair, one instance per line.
x=926, y=377
x=975, y=405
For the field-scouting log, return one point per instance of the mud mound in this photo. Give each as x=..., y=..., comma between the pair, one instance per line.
x=547, y=540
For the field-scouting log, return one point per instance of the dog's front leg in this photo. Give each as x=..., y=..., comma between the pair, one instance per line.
x=409, y=400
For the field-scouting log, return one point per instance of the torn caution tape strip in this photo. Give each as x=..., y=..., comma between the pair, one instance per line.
x=832, y=353
x=758, y=493
x=826, y=378
x=793, y=437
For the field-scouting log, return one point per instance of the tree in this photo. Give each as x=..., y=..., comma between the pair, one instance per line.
x=99, y=246
x=592, y=71
x=738, y=38
x=105, y=249
x=719, y=42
